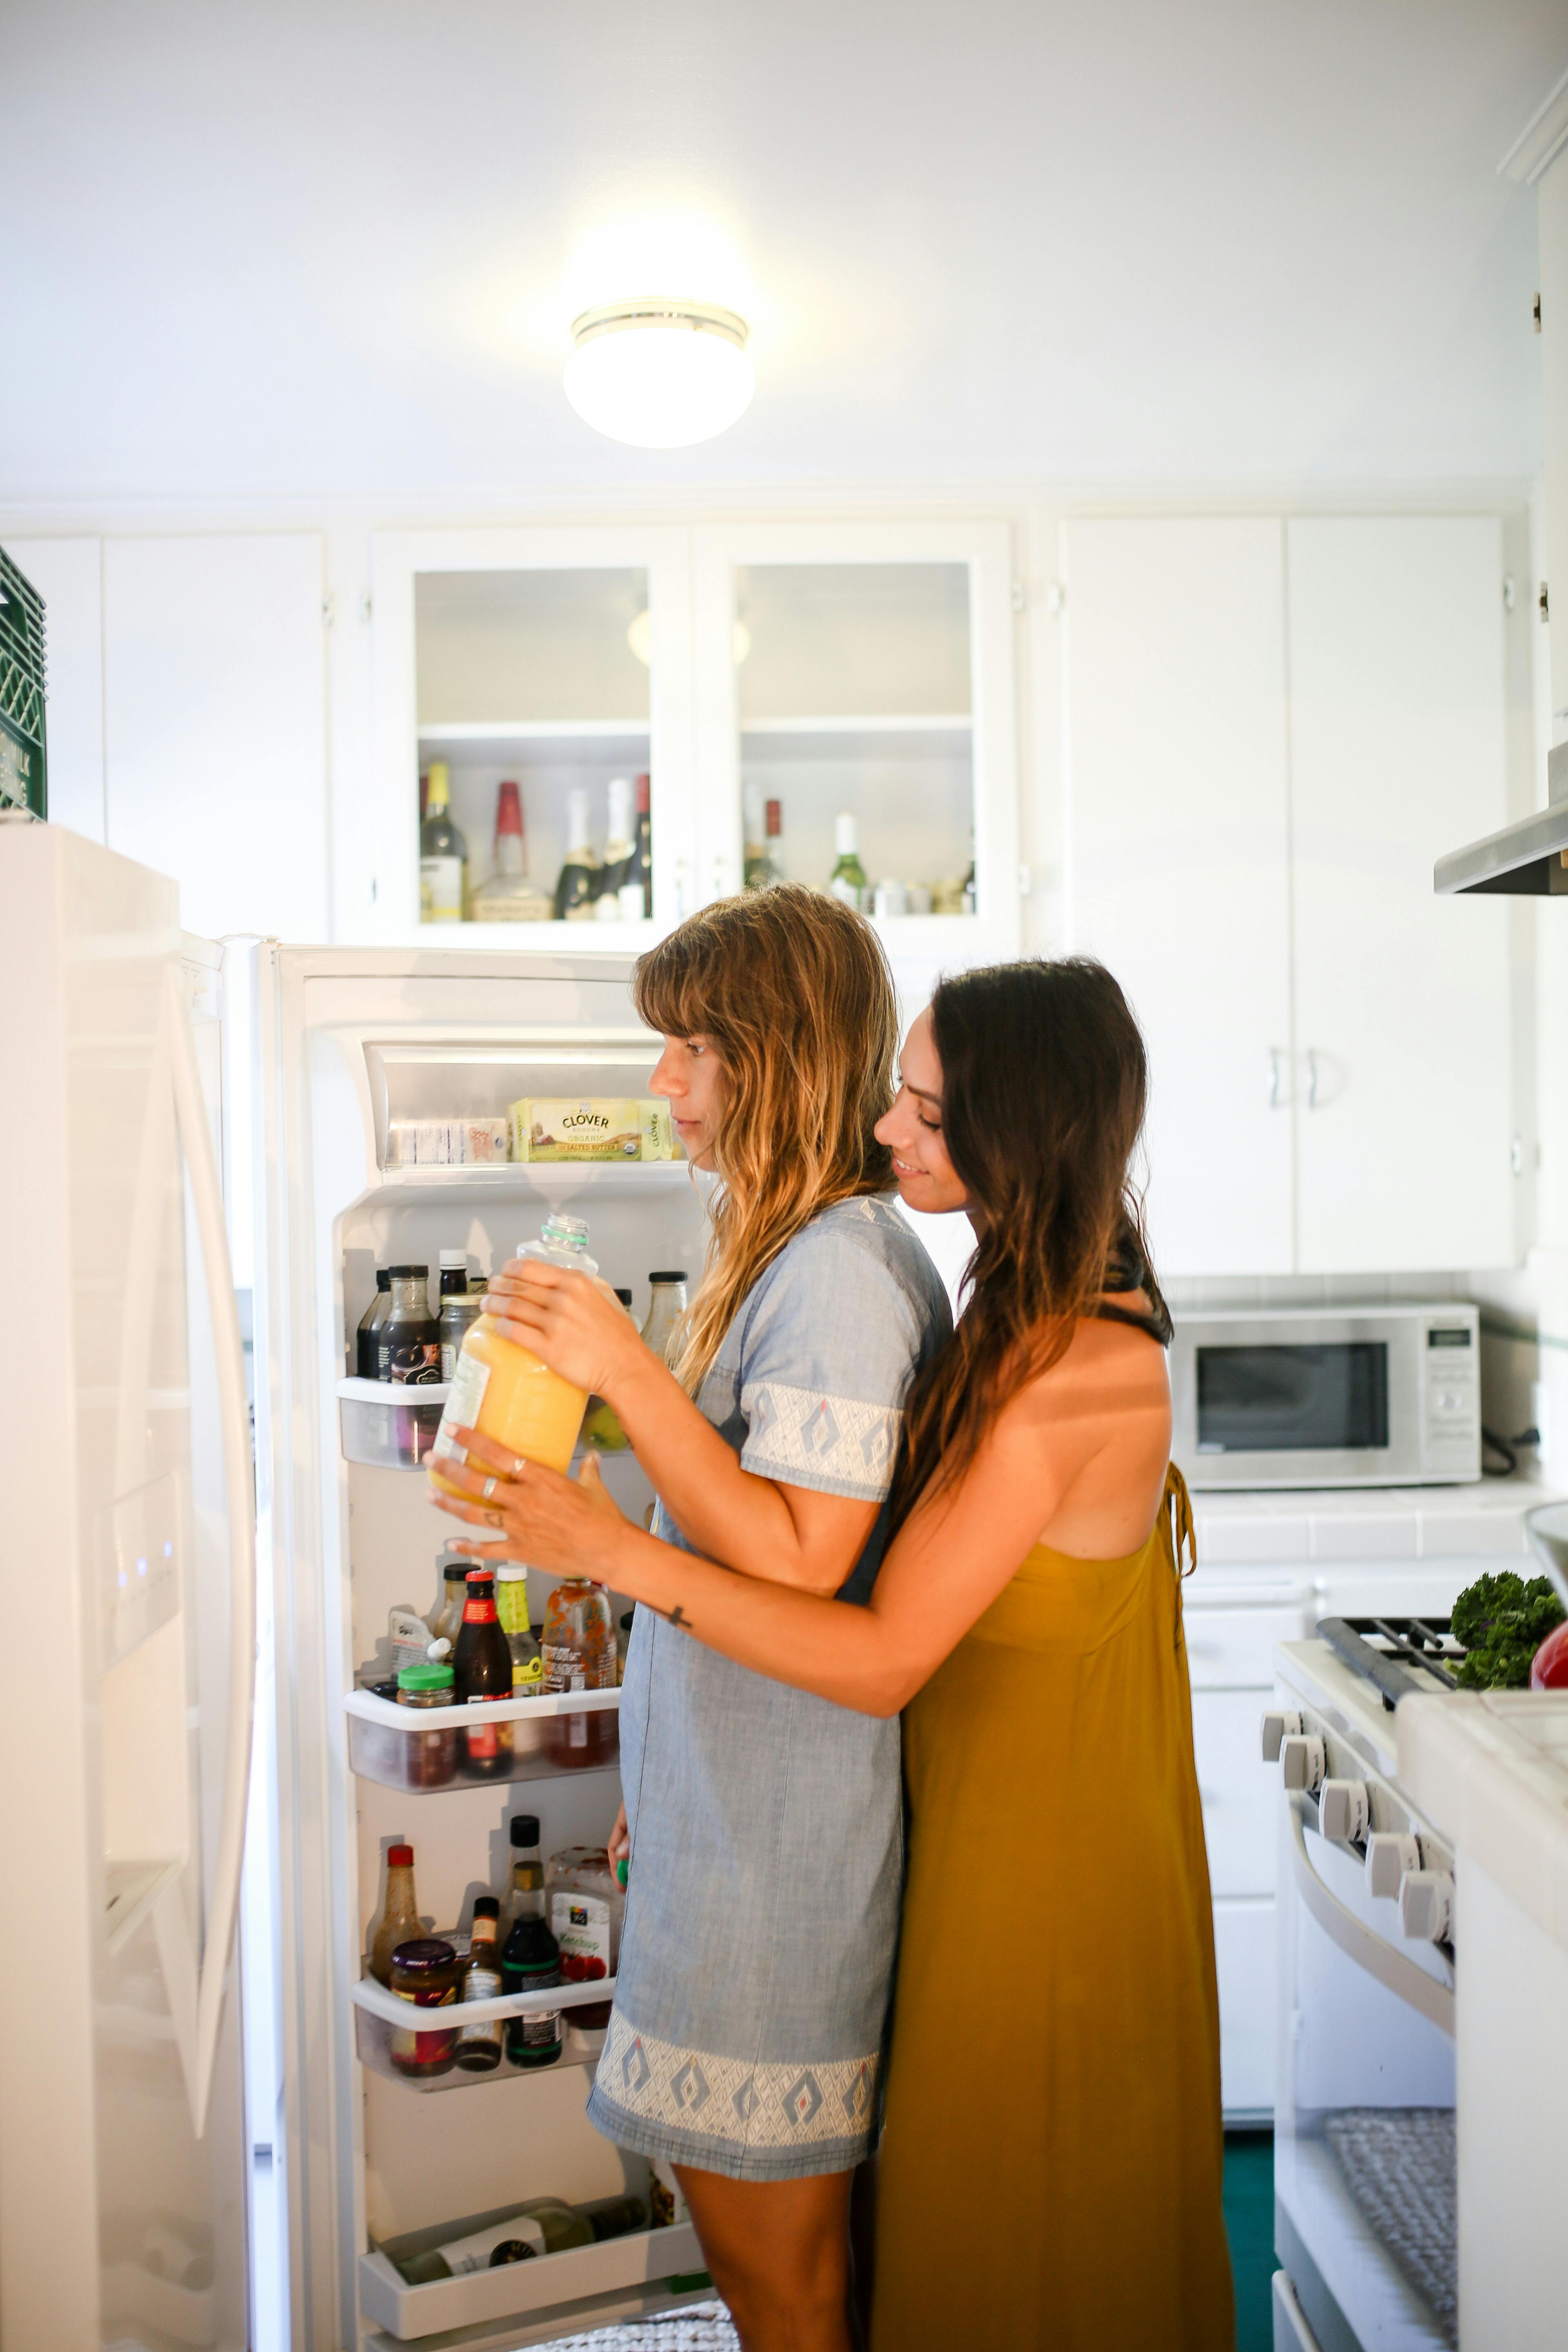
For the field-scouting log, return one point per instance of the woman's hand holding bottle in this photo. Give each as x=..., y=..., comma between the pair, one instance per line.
x=566, y=1526
x=573, y=1322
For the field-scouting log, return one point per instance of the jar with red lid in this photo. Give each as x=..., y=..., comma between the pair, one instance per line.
x=428, y=1972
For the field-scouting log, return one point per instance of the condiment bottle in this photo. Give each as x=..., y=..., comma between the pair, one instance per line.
x=446, y=1622
x=429, y=1758
x=579, y=1647
x=667, y=1305
x=408, y=1343
x=530, y=1960
x=503, y=1391
x=512, y=1608
x=601, y=1424
x=399, y=1919
x=375, y=1313
x=479, y=2046
x=481, y=1665
x=459, y=1309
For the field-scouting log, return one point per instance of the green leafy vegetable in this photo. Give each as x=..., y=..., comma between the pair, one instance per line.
x=1501, y=1622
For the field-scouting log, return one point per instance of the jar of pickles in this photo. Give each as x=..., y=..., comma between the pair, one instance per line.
x=428, y=1972
x=430, y=1759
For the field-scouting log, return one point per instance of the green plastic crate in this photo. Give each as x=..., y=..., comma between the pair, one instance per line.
x=23, y=758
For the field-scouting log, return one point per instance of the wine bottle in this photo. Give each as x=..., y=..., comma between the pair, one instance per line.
x=443, y=855
x=574, y=883
x=847, y=881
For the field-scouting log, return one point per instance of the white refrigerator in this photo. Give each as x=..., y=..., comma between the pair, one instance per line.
x=380, y=1073
x=126, y=2213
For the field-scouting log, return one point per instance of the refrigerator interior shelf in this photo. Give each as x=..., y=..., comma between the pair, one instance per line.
x=424, y=1749
x=544, y=1180
x=389, y=1425
x=409, y=2312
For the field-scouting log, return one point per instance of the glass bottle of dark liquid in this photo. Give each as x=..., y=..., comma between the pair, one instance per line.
x=530, y=1960
x=479, y=2046
x=374, y=1315
x=482, y=1677
x=408, y=1342
x=574, y=883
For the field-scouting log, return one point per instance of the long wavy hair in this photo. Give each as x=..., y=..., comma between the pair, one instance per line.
x=794, y=991
x=1044, y=1086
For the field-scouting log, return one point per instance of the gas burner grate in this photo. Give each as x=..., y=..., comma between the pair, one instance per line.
x=1398, y=1655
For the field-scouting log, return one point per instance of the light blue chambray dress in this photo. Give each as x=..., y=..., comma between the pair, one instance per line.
x=767, y=1837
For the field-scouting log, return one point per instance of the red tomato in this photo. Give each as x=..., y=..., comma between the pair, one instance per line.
x=1548, y=1667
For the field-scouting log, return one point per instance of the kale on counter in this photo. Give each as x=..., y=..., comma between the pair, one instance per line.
x=1501, y=1622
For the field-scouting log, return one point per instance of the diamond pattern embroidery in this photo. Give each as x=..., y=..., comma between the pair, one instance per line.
x=726, y=2099
x=836, y=1438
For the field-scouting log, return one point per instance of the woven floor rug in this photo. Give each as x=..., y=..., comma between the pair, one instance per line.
x=700, y=2327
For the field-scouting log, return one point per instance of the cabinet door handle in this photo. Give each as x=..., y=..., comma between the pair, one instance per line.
x=1312, y=1080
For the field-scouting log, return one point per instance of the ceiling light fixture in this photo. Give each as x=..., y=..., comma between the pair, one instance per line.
x=661, y=374
x=639, y=636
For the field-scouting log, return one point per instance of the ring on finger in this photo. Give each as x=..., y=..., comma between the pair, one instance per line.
x=488, y=1489
x=517, y=1467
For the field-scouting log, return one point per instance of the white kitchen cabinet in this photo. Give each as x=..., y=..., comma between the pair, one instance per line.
x=214, y=724
x=1176, y=858
x=864, y=670
x=67, y=573
x=555, y=659
x=1271, y=730
x=1404, y=1124
x=1245, y=1964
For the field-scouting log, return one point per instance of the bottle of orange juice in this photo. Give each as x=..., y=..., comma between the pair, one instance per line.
x=503, y=1391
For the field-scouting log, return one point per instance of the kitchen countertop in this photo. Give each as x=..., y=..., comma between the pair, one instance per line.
x=1490, y=1771
x=1259, y=1528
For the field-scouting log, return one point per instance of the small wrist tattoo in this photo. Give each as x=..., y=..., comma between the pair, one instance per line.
x=677, y=1616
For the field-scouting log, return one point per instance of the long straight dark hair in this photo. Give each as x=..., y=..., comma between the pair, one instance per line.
x=1044, y=1085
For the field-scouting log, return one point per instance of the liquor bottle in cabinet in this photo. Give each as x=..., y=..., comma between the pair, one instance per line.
x=443, y=855
x=508, y=897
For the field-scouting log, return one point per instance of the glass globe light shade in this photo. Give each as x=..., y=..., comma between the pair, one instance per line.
x=658, y=374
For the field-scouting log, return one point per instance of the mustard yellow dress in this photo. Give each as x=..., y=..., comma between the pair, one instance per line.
x=1051, y=2164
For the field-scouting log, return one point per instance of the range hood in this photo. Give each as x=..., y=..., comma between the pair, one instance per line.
x=1529, y=858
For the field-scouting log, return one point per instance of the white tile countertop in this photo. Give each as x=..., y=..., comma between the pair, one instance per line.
x=1490, y=1771
x=1239, y=1529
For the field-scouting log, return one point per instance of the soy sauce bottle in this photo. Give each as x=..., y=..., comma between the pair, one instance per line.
x=408, y=1342
x=481, y=1675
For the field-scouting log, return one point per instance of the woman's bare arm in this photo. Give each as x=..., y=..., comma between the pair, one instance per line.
x=778, y=1533
x=949, y=1562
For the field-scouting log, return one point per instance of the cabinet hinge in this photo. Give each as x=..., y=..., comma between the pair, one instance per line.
x=365, y=607
x=1020, y=597
x=1542, y=605
x=1507, y=591
x=329, y=609
x=1025, y=881
x=1535, y=311
x=1056, y=596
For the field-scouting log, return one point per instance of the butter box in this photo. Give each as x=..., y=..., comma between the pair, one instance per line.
x=601, y=1128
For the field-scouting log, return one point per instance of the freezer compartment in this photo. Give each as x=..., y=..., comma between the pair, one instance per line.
x=410, y=2312
x=378, y=2014
x=424, y=1749
x=389, y=1426
x=448, y=1101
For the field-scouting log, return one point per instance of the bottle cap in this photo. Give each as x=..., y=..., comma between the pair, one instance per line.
x=847, y=836
x=479, y=1580
x=456, y=1257
x=383, y=1277
x=509, y=1571
x=524, y=1829
x=424, y=1952
x=423, y=1678
x=508, y=810
x=438, y=1650
x=486, y=1907
x=772, y=816
x=676, y=1275
x=628, y=1618
x=623, y=1296
x=400, y=1273
x=642, y=795
x=400, y=1857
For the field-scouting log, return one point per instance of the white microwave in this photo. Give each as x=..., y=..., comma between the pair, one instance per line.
x=1327, y=1396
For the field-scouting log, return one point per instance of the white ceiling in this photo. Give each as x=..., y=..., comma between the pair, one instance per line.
x=331, y=250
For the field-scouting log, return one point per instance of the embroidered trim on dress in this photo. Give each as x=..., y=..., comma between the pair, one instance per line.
x=826, y=1436
x=752, y=2107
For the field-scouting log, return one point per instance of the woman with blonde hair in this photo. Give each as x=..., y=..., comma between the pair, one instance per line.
x=751, y=1998
x=1053, y=2100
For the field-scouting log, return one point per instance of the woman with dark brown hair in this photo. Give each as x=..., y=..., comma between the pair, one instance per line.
x=1053, y=2123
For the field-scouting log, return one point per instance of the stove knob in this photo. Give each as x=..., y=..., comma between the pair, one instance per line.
x=1389, y=1855
x=1345, y=1809
x=1305, y=1762
x=1426, y=1906
x=1277, y=1728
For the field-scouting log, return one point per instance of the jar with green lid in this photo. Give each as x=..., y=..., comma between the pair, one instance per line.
x=425, y=1971
x=430, y=1759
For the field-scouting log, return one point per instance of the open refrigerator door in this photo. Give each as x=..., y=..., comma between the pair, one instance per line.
x=129, y=1550
x=386, y=1081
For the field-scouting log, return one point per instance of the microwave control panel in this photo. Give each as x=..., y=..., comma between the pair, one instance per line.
x=1451, y=1393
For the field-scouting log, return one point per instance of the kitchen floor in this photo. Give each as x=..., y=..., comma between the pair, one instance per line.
x=1250, y=2225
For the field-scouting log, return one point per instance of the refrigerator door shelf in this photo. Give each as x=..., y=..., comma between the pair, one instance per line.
x=372, y=2042
x=410, y=2312
x=389, y=1425
x=424, y=1749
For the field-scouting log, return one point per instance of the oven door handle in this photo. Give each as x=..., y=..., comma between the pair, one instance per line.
x=1380, y=1959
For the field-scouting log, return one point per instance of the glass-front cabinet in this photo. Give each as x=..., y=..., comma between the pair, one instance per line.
x=533, y=726
x=581, y=735
x=855, y=724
